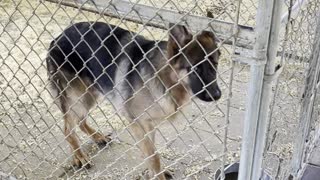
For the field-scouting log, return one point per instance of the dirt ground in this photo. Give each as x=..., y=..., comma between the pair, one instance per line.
x=31, y=139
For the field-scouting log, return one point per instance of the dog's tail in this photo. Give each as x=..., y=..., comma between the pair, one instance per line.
x=55, y=76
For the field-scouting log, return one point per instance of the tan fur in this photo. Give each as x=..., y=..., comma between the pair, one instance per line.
x=177, y=90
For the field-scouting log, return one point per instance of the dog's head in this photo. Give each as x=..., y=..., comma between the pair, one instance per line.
x=198, y=57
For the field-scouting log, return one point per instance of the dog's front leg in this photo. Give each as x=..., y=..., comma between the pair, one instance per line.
x=147, y=147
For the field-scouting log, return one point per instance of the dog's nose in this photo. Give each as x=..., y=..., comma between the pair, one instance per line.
x=216, y=94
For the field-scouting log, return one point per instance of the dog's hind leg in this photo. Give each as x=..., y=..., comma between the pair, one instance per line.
x=75, y=104
x=75, y=109
x=88, y=100
x=79, y=157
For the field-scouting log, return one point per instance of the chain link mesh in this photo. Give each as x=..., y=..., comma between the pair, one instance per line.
x=204, y=138
x=32, y=141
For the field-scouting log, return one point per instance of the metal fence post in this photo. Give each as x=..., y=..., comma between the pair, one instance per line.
x=307, y=104
x=255, y=125
x=269, y=76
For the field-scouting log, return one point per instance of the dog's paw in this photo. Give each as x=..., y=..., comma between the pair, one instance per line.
x=102, y=140
x=146, y=174
x=81, y=160
x=149, y=175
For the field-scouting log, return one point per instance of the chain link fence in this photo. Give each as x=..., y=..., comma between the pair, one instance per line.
x=204, y=137
x=286, y=115
x=194, y=145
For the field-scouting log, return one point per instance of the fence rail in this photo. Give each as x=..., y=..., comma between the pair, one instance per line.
x=160, y=18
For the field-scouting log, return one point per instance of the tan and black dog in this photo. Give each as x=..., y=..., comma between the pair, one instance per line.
x=144, y=80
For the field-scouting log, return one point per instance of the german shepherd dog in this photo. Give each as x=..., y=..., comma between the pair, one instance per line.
x=144, y=80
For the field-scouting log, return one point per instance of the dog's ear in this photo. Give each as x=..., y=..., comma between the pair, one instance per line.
x=211, y=35
x=179, y=34
x=208, y=34
x=178, y=38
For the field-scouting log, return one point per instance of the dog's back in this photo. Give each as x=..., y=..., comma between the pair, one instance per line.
x=94, y=51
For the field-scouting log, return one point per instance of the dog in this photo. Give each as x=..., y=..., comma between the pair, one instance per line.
x=144, y=80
